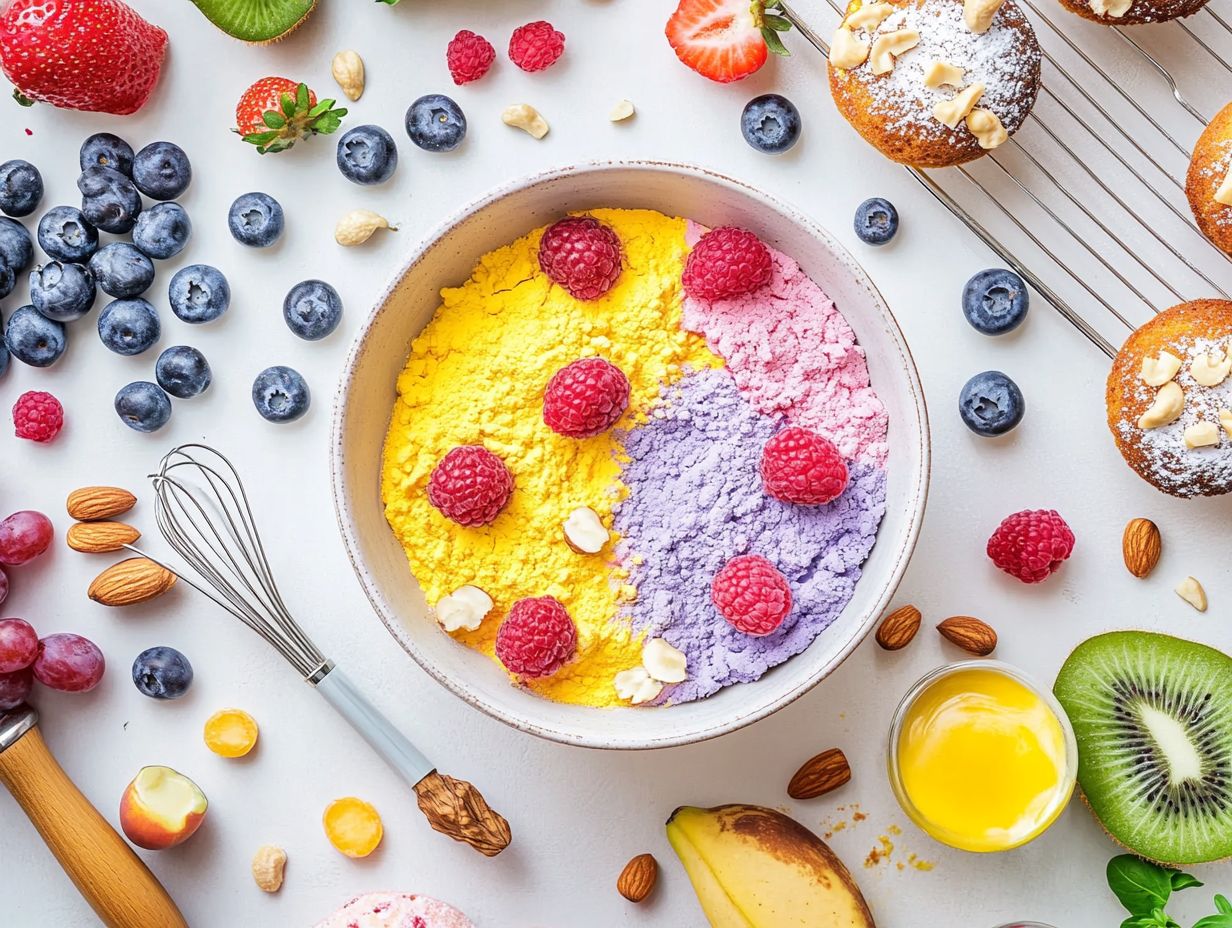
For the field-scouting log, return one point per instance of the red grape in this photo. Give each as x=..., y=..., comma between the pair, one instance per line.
x=14, y=688
x=18, y=645
x=24, y=536
x=4, y=586
x=69, y=663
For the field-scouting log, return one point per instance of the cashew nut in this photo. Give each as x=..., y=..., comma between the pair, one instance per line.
x=268, y=865
x=348, y=71
x=953, y=111
x=1168, y=406
x=887, y=47
x=979, y=14
x=1224, y=193
x=846, y=51
x=1210, y=370
x=357, y=226
x=525, y=117
x=986, y=128
x=869, y=16
x=1158, y=371
x=621, y=111
x=940, y=73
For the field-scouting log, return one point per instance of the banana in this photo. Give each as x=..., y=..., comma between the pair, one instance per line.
x=753, y=867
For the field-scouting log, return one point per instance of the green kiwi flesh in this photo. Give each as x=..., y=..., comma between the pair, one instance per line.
x=1152, y=715
x=257, y=21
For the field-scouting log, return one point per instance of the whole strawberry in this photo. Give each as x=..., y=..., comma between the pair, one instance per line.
x=94, y=55
x=276, y=112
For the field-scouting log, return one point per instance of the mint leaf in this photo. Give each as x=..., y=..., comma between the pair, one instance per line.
x=1183, y=881
x=1143, y=888
x=1223, y=905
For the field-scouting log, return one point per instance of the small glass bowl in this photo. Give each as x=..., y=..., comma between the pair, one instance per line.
x=1065, y=788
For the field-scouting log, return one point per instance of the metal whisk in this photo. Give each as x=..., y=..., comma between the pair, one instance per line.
x=203, y=512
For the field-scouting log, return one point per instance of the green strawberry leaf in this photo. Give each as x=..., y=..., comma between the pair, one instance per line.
x=777, y=23
x=301, y=97
x=390, y=2
x=21, y=98
x=287, y=102
x=274, y=120
x=774, y=43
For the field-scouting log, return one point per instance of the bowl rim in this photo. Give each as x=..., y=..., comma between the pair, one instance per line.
x=345, y=515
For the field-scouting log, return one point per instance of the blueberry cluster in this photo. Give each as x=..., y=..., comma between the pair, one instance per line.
x=368, y=155
x=115, y=183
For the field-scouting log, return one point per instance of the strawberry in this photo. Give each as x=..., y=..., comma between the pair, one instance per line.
x=726, y=40
x=95, y=55
x=275, y=113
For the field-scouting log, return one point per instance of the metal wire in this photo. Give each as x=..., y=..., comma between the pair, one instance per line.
x=1028, y=177
x=203, y=513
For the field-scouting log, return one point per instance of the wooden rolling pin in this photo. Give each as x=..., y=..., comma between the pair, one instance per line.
x=113, y=879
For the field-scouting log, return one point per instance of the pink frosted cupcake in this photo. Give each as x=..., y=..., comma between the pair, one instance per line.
x=396, y=910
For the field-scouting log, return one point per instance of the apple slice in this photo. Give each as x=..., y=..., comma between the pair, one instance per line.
x=161, y=808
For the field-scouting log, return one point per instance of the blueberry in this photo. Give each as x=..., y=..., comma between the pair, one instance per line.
x=367, y=155
x=161, y=171
x=436, y=123
x=162, y=231
x=109, y=200
x=162, y=673
x=21, y=188
x=876, y=221
x=256, y=220
x=34, y=339
x=770, y=123
x=129, y=326
x=65, y=235
x=280, y=394
x=4, y=352
x=120, y=270
x=61, y=291
x=199, y=293
x=312, y=309
x=8, y=280
x=104, y=150
x=995, y=301
x=16, y=249
x=183, y=372
x=991, y=403
x=143, y=406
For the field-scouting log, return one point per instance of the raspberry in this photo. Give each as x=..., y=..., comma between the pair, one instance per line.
x=1031, y=544
x=470, y=485
x=536, y=638
x=38, y=416
x=585, y=398
x=469, y=57
x=582, y=255
x=751, y=594
x=536, y=46
x=799, y=466
x=726, y=262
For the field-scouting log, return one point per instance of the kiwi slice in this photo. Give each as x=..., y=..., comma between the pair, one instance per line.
x=259, y=21
x=1153, y=719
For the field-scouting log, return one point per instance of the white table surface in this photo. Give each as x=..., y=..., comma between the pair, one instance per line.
x=577, y=815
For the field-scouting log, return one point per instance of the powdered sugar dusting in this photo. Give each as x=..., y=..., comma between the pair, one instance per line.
x=1005, y=59
x=1169, y=464
x=1213, y=172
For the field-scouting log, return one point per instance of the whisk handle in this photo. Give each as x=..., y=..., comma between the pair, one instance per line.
x=341, y=693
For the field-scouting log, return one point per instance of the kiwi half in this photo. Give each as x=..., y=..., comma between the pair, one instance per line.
x=1153, y=718
x=258, y=21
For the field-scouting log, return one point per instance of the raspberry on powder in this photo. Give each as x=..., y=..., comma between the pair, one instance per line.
x=537, y=637
x=585, y=398
x=727, y=262
x=582, y=255
x=752, y=594
x=799, y=466
x=470, y=485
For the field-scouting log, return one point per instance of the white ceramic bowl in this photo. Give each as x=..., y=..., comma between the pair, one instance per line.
x=367, y=392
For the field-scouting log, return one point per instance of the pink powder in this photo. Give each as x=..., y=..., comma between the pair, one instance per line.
x=793, y=354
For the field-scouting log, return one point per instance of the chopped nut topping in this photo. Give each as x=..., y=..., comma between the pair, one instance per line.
x=1113, y=8
x=1158, y=371
x=1224, y=193
x=987, y=128
x=869, y=16
x=1210, y=370
x=846, y=51
x=1168, y=406
x=940, y=73
x=952, y=112
x=887, y=47
x=664, y=662
x=1201, y=435
x=979, y=14
x=637, y=686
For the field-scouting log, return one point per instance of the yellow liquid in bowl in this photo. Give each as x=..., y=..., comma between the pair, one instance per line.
x=982, y=759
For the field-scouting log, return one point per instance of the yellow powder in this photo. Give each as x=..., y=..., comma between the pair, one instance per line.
x=476, y=375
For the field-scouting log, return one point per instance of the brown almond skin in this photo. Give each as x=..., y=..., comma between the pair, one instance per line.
x=898, y=628
x=819, y=775
x=969, y=633
x=131, y=581
x=92, y=504
x=637, y=880
x=101, y=537
x=1141, y=546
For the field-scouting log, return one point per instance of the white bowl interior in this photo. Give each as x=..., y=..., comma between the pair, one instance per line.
x=367, y=394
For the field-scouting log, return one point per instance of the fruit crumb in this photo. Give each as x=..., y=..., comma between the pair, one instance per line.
x=918, y=863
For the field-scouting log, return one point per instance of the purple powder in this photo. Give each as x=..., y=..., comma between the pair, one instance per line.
x=696, y=500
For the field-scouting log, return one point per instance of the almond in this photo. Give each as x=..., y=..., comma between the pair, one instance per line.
x=898, y=628
x=1141, y=546
x=132, y=581
x=91, y=504
x=819, y=775
x=637, y=880
x=101, y=537
x=970, y=634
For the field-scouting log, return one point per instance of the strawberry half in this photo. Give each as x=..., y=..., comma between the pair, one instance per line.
x=276, y=112
x=726, y=40
x=94, y=55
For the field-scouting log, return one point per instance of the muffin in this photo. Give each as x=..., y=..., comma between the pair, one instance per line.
x=1209, y=184
x=934, y=83
x=1133, y=12
x=1170, y=399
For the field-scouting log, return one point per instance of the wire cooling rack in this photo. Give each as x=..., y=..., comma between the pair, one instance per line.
x=1041, y=204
